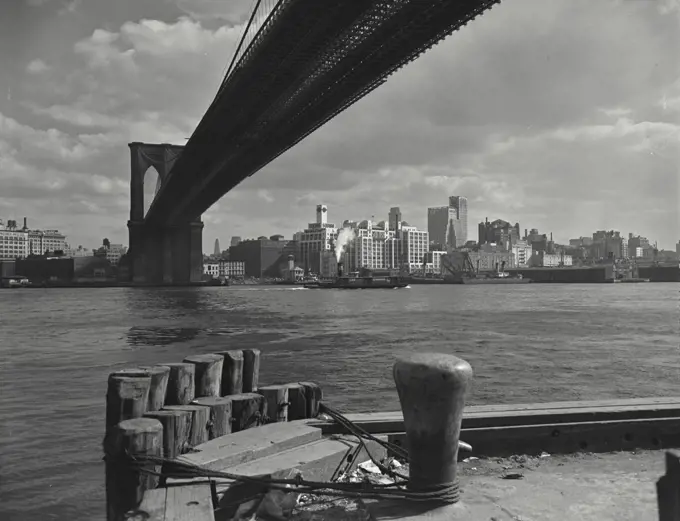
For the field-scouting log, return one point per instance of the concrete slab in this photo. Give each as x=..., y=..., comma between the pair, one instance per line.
x=580, y=487
x=602, y=487
x=479, y=509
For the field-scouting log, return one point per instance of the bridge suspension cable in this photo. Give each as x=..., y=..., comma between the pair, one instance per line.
x=251, y=33
x=243, y=38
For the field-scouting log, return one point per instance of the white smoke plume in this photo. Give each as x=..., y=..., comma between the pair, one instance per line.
x=344, y=237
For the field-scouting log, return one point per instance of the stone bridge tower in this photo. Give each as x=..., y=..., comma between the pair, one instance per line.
x=160, y=254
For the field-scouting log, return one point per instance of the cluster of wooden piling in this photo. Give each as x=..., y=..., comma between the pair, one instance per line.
x=166, y=410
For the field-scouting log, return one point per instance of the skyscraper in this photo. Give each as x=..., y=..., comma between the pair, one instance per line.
x=460, y=205
x=439, y=221
x=217, y=251
x=394, y=221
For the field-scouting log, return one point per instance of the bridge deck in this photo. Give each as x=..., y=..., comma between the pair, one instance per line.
x=315, y=60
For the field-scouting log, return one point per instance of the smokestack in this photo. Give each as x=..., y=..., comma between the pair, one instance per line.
x=339, y=269
x=526, y=233
x=550, y=236
x=291, y=268
x=25, y=226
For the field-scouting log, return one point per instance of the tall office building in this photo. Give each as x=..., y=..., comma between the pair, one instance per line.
x=394, y=220
x=217, y=251
x=316, y=241
x=439, y=223
x=460, y=205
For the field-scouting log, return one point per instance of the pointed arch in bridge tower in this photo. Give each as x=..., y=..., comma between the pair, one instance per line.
x=159, y=253
x=143, y=156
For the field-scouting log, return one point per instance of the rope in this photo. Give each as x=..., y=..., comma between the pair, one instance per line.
x=175, y=468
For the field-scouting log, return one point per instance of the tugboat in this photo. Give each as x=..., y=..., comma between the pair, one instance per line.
x=365, y=279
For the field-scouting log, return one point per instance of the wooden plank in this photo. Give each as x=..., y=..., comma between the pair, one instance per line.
x=152, y=507
x=483, y=416
x=244, y=446
x=668, y=488
x=189, y=503
x=566, y=438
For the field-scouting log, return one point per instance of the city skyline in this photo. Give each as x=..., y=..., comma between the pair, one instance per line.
x=529, y=111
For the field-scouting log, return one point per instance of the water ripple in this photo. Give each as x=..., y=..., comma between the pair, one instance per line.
x=525, y=343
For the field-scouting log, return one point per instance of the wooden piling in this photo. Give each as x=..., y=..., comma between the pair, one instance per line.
x=220, y=414
x=276, y=398
x=668, y=488
x=247, y=411
x=232, y=372
x=159, y=386
x=127, y=395
x=313, y=397
x=125, y=484
x=181, y=385
x=176, y=430
x=208, y=377
x=297, y=408
x=200, y=418
x=251, y=370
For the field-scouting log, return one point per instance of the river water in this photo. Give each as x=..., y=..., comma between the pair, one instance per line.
x=526, y=343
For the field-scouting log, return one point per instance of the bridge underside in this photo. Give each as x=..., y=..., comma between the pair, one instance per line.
x=310, y=61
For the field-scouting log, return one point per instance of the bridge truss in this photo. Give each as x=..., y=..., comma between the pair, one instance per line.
x=304, y=62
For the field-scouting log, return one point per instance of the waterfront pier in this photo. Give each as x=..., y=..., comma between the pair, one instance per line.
x=202, y=439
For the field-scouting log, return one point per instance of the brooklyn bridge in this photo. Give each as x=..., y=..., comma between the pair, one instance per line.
x=298, y=64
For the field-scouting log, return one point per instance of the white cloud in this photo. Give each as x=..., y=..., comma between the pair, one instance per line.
x=36, y=67
x=536, y=111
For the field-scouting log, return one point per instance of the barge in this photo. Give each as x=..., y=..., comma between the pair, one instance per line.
x=364, y=279
x=219, y=447
x=457, y=268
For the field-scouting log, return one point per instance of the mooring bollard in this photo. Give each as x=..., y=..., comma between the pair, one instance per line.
x=431, y=388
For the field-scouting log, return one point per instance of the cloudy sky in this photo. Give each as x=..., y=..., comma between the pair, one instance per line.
x=563, y=115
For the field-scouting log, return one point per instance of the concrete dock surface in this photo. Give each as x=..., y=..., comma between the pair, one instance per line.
x=617, y=486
